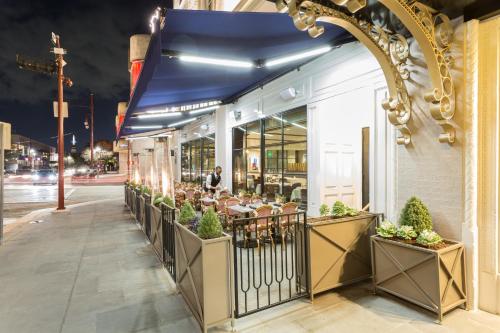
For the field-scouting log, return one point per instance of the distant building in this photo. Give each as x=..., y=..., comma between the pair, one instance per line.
x=27, y=153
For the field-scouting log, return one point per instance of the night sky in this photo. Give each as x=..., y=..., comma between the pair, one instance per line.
x=96, y=35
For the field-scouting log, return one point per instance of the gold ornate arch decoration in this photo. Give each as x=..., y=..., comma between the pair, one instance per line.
x=431, y=30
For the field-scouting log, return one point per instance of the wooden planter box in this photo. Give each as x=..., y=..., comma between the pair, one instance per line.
x=156, y=231
x=133, y=202
x=140, y=209
x=432, y=279
x=204, y=276
x=338, y=251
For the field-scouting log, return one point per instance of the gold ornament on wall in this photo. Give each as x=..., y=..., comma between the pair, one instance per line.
x=430, y=29
x=391, y=51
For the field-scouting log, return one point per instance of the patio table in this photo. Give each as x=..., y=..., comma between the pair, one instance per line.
x=208, y=201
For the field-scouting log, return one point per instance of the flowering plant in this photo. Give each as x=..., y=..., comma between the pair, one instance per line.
x=386, y=229
x=406, y=232
x=429, y=238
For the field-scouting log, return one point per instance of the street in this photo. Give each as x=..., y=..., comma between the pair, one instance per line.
x=21, y=199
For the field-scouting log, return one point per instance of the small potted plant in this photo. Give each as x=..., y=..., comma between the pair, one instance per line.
x=187, y=214
x=203, y=261
x=415, y=263
x=347, y=263
x=324, y=210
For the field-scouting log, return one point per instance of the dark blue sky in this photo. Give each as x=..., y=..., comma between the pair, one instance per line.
x=96, y=35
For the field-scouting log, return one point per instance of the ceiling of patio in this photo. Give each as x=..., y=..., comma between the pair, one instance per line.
x=255, y=37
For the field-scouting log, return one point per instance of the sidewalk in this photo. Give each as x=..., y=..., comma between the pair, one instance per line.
x=89, y=270
x=92, y=270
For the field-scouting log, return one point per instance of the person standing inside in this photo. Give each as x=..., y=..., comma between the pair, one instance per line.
x=213, y=180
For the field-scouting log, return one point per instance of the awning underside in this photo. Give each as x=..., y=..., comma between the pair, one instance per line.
x=167, y=81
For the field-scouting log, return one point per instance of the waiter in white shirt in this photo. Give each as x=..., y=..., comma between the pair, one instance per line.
x=213, y=180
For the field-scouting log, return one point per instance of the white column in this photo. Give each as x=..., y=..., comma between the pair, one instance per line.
x=221, y=150
x=470, y=226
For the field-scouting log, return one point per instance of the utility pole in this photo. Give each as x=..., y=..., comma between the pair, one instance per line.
x=60, y=123
x=54, y=68
x=91, y=130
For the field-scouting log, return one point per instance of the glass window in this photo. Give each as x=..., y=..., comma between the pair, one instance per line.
x=282, y=167
x=197, y=159
x=295, y=156
x=185, y=162
x=208, y=156
x=253, y=158
x=273, y=164
x=239, y=167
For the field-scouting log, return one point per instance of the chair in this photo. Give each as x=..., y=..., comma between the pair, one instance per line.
x=288, y=210
x=256, y=199
x=263, y=223
x=221, y=204
x=224, y=193
x=180, y=197
x=196, y=200
x=246, y=199
x=231, y=214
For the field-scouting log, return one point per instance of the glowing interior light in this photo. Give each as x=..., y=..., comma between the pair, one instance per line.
x=216, y=61
x=182, y=122
x=298, y=56
x=210, y=108
x=159, y=115
x=146, y=127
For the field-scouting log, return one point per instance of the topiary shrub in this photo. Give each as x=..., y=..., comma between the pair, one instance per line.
x=187, y=214
x=416, y=215
x=209, y=226
x=157, y=199
x=324, y=210
x=169, y=201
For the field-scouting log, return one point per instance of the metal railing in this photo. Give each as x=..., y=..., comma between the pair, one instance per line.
x=269, y=261
x=147, y=215
x=168, y=229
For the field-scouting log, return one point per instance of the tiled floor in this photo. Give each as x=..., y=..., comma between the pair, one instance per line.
x=91, y=270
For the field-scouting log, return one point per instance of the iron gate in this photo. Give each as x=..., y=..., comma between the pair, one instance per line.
x=168, y=221
x=269, y=261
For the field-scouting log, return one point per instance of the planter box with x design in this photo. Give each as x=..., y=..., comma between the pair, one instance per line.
x=204, y=276
x=432, y=279
x=338, y=250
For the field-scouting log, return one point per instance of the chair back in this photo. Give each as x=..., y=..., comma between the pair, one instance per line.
x=256, y=199
x=289, y=208
x=263, y=212
x=246, y=199
x=221, y=203
x=223, y=193
x=232, y=201
x=190, y=193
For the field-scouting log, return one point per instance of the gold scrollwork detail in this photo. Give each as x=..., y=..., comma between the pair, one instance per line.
x=434, y=34
x=391, y=49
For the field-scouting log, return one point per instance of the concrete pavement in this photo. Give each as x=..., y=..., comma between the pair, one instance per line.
x=88, y=270
x=91, y=270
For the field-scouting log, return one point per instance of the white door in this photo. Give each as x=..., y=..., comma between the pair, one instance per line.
x=336, y=147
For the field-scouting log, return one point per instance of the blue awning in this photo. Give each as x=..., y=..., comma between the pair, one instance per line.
x=166, y=81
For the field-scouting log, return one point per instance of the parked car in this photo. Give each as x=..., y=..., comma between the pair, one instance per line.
x=45, y=176
x=83, y=173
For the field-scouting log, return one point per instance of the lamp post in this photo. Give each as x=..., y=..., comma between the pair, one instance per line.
x=91, y=129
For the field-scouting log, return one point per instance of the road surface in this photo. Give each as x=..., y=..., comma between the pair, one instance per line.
x=21, y=199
